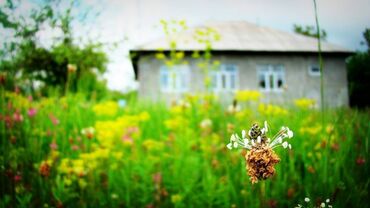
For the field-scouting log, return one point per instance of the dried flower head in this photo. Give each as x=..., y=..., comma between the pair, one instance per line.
x=71, y=68
x=261, y=157
x=45, y=168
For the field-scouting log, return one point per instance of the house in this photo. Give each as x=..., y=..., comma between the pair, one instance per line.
x=281, y=65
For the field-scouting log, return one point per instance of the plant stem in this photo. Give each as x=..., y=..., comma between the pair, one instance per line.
x=262, y=194
x=67, y=84
x=322, y=92
x=320, y=61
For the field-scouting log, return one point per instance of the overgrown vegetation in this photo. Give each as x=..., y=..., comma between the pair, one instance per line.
x=60, y=148
x=74, y=152
x=358, y=76
x=32, y=66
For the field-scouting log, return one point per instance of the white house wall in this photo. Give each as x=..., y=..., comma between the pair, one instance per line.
x=299, y=83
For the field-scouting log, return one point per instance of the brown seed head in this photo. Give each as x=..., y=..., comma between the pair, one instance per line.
x=260, y=163
x=45, y=169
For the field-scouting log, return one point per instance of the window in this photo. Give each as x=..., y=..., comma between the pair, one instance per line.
x=271, y=77
x=225, y=79
x=174, y=79
x=314, y=70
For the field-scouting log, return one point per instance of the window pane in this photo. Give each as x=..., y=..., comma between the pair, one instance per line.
x=183, y=82
x=280, y=81
x=280, y=77
x=232, y=81
x=271, y=77
x=230, y=68
x=271, y=81
x=261, y=80
x=315, y=69
x=223, y=80
x=214, y=80
x=164, y=80
x=173, y=80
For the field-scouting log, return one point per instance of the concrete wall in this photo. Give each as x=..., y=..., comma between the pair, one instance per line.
x=299, y=83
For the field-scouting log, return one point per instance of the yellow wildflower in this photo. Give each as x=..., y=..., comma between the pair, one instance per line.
x=305, y=103
x=271, y=110
x=153, y=145
x=82, y=183
x=108, y=108
x=175, y=123
x=247, y=95
x=176, y=198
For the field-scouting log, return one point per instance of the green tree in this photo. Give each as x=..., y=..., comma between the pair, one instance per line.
x=23, y=57
x=358, y=67
x=309, y=31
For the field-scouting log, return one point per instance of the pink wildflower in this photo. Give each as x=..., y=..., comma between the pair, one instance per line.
x=54, y=119
x=127, y=139
x=17, y=116
x=360, y=160
x=53, y=145
x=32, y=112
x=157, y=178
x=17, y=178
x=75, y=147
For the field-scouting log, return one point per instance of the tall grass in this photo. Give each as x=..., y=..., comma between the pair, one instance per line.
x=169, y=160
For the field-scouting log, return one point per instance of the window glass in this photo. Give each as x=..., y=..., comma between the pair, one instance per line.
x=225, y=78
x=232, y=81
x=174, y=79
x=271, y=77
x=164, y=80
x=314, y=70
x=262, y=81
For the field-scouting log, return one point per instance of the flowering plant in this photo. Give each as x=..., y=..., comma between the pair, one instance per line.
x=261, y=157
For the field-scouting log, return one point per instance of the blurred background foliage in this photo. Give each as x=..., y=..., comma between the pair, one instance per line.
x=358, y=67
x=31, y=65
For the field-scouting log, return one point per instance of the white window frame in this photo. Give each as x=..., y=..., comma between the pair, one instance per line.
x=177, y=76
x=268, y=71
x=221, y=79
x=312, y=73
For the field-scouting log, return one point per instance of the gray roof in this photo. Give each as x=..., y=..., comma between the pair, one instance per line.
x=244, y=36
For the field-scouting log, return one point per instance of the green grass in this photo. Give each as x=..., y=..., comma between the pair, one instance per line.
x=176, y=164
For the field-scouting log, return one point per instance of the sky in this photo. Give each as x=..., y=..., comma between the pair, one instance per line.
x=133, y=22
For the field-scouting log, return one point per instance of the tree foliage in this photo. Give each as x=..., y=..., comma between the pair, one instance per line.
x=358, y=76
x=27, y=61
x=309, y=31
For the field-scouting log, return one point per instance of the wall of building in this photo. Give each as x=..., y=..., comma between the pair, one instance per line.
x=299, y=83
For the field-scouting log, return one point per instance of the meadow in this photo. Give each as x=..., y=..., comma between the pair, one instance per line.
x=75, y=152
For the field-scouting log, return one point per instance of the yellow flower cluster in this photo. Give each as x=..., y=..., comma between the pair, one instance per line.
x=68, y=166
x=176, y=198
x=200, y=97
x=110, y=132
x=73, y=170
x=153, y=145
x=271, y=110
x=18, y=101
x=310, y=130
x=176, y=123
x=178, y=109
x=305, y=103
x=244, y=114
x=247, y=95
x=108, y=108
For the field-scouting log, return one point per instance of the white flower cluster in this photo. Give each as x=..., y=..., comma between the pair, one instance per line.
x=88, y=130
x=248, y=143
x=323, y=204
